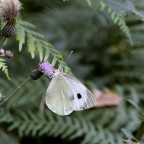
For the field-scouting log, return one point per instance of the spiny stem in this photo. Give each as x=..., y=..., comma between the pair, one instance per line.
x=15, y=90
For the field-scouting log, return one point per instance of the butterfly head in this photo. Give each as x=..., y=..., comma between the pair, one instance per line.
x=56, y=73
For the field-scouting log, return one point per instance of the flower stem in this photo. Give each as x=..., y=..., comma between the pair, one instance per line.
x=15, y=90
x=3, y=42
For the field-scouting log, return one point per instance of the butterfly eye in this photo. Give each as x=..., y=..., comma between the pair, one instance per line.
x=79, y=96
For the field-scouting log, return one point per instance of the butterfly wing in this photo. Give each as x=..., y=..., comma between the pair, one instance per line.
x=83, y=98
x=59, y=97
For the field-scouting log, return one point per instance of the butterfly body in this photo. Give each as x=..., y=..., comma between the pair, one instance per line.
x=66, y=94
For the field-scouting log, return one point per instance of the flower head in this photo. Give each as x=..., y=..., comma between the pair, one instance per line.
x=9, y=9
x=47, y=68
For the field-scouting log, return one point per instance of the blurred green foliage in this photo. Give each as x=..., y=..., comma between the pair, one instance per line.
x=107, y=39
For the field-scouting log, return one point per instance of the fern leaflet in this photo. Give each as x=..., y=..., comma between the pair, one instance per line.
x=4, y=67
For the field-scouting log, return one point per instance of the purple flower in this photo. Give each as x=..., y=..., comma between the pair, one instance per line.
x=47, y=68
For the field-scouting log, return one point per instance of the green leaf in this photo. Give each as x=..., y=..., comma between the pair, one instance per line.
x=127, y=134
x=89, y=3
x=4, y=67
x=20, y=36
x=135, y=105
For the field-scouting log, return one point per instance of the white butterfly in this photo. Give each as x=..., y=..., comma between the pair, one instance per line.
x=66, y=94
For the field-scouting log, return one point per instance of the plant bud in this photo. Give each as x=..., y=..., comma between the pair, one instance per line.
x=36, y=74
x=8, y=54
x=8, y=30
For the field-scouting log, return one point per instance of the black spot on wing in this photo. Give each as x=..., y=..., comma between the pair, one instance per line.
x=79, y=96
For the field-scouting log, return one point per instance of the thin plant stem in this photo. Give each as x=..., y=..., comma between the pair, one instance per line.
x=15, y=90
x=3, y=42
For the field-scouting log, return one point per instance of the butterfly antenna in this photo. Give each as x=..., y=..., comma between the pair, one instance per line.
x=15, y=90
x=60, y=67
x=69, y=56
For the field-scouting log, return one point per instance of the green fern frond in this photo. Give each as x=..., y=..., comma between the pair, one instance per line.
x=4, y=67
x=21, y=114
x=20, y=36
x=36, y=43
x=72, y=127
x=117, y=19
x=31, y=123
x=31, y=45
x=125, y=7
x=118, y=11
x=89, y=2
